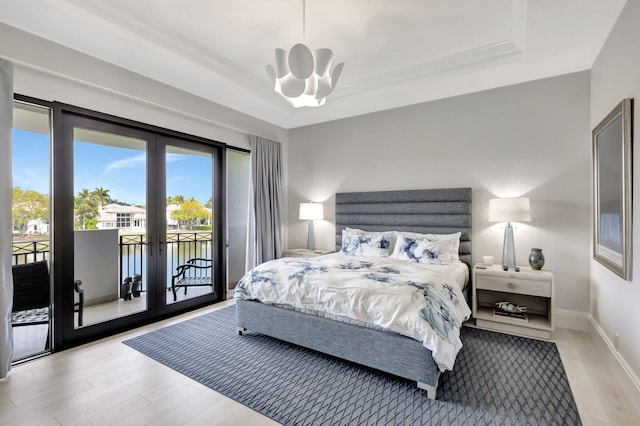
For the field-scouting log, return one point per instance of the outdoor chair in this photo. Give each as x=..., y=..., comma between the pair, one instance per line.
x=31, y=290
x=30, y=295
x=195, y=273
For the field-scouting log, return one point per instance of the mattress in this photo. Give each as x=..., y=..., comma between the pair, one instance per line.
x=424, y=302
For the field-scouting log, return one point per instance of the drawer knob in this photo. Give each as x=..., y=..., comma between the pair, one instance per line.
x=511, y=285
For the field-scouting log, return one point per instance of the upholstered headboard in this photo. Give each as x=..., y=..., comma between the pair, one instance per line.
x=436, y=211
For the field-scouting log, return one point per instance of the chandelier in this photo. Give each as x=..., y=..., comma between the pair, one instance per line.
x=302, y=76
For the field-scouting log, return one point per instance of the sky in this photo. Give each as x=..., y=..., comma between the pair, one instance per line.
x=120, y=170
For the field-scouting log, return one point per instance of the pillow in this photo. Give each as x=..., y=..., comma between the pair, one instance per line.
x=423, y=250
x=389, y=235
x=454, y=238
x=354, y=244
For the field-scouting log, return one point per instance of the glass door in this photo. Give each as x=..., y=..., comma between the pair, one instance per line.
x=189, y=236
x=104, y=222
x=238, y=181
x=140, y=213
x=31, y=222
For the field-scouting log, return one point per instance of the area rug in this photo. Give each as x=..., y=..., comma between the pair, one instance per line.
x=497, y=379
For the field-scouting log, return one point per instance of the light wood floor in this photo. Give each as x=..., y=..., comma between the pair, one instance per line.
x=106, y=382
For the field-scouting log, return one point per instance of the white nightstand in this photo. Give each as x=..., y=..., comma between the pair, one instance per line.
x=533, y=289
x=299, y=252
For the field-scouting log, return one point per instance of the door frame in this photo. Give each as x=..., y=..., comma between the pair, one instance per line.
x=65, y=335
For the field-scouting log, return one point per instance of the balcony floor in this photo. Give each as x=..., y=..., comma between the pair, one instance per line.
x=31, y=340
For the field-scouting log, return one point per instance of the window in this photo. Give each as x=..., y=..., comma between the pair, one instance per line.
x=123, y=220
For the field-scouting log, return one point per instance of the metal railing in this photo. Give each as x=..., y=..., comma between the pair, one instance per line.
x=179, y=247
x=29, y=251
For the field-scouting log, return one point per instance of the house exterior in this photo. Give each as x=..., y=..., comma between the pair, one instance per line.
x=124, y=217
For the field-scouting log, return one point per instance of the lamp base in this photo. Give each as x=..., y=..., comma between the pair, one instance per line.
x=508, y=248
x=311, y=244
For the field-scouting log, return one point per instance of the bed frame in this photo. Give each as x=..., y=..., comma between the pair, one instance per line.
x=440, y=211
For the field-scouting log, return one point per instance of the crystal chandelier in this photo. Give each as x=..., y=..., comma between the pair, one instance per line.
x=302, y=76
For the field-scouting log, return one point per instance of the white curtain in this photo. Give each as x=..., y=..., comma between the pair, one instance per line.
x=6, y=225
x=264, y=236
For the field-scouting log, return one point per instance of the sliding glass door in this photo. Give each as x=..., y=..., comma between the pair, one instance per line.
x=187, y=238
x=136, y=224
x=31, y=224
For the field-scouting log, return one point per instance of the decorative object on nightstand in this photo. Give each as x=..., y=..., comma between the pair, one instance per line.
x=513, y=302
x=536, y=259
x=311, y=212
x=509, y=210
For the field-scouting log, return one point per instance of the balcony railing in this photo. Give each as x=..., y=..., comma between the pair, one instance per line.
x=179, y=247
x=29, y=251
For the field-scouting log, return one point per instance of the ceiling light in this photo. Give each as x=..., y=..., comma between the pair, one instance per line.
x=302, y=76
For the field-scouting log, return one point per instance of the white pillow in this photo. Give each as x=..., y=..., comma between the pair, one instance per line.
x=360, y=244
x=390, y=235
x=454, y=238
x=423, y=250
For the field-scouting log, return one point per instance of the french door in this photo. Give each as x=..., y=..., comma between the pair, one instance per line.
x=137, y=224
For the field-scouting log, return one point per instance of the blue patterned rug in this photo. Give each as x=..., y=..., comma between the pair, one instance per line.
x=498, y=379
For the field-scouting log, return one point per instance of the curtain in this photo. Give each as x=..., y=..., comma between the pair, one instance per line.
x=6, y=224
x=264, y=236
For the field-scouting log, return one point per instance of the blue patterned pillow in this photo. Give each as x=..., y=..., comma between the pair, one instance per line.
x=423, y=250
x=454, y=241
x=354, y=244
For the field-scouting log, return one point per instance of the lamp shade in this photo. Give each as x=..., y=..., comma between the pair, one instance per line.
x=509, y=210
x=311, y=211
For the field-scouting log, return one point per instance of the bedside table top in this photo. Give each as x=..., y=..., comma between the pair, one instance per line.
x=525, y=271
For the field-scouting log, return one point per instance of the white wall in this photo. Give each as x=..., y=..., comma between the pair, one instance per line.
x=52, y=72
x=96, y=260
x=530, y=139
x=616, y=75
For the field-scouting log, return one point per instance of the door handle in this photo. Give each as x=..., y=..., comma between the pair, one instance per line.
x=160, y=243
x=150, y=244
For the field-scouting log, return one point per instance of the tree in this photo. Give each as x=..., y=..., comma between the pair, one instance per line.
x=190, y=213
x=28, y=205
x=102, y=195
x=86, y=205
x=176, y=199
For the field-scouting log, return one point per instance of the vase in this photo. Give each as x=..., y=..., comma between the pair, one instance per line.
x=536, y=259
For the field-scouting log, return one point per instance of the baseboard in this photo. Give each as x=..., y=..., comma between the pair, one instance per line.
x=100, y=300
x=574, y=320
x=619, y=366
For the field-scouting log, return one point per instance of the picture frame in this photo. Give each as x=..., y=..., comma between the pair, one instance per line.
x=612, y=190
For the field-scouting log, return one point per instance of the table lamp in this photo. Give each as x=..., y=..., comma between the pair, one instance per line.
x=311, y=212
x=509, y=210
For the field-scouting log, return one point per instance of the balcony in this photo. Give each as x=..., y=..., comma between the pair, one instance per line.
x=103, y=260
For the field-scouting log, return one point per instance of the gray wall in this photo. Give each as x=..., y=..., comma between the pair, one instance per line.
x=616, y=75
x=529, y=140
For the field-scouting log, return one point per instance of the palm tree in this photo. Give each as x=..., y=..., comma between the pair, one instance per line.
x=176, y=199
x=102, y=195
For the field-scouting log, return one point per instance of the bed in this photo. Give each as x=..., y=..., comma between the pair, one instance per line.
x=429, y=211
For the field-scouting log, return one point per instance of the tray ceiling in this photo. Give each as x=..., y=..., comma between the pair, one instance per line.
x=396, y=52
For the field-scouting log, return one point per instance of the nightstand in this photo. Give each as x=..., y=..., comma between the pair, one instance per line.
x=530, y=288
x=299, y=252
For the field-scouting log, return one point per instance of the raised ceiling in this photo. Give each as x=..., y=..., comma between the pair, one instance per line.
x=396, y=52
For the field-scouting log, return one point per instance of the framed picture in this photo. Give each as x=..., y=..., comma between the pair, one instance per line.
x=612, y=173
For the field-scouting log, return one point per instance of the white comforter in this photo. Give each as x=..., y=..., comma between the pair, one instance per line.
x=420, y=301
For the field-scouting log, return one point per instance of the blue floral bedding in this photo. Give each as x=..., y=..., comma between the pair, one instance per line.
x=421, y=301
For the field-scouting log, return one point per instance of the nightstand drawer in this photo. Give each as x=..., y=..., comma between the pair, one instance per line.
x=530, y=287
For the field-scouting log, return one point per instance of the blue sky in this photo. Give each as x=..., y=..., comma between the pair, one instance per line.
x=120, y=170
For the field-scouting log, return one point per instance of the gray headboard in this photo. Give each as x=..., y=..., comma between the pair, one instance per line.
x=436, y=211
